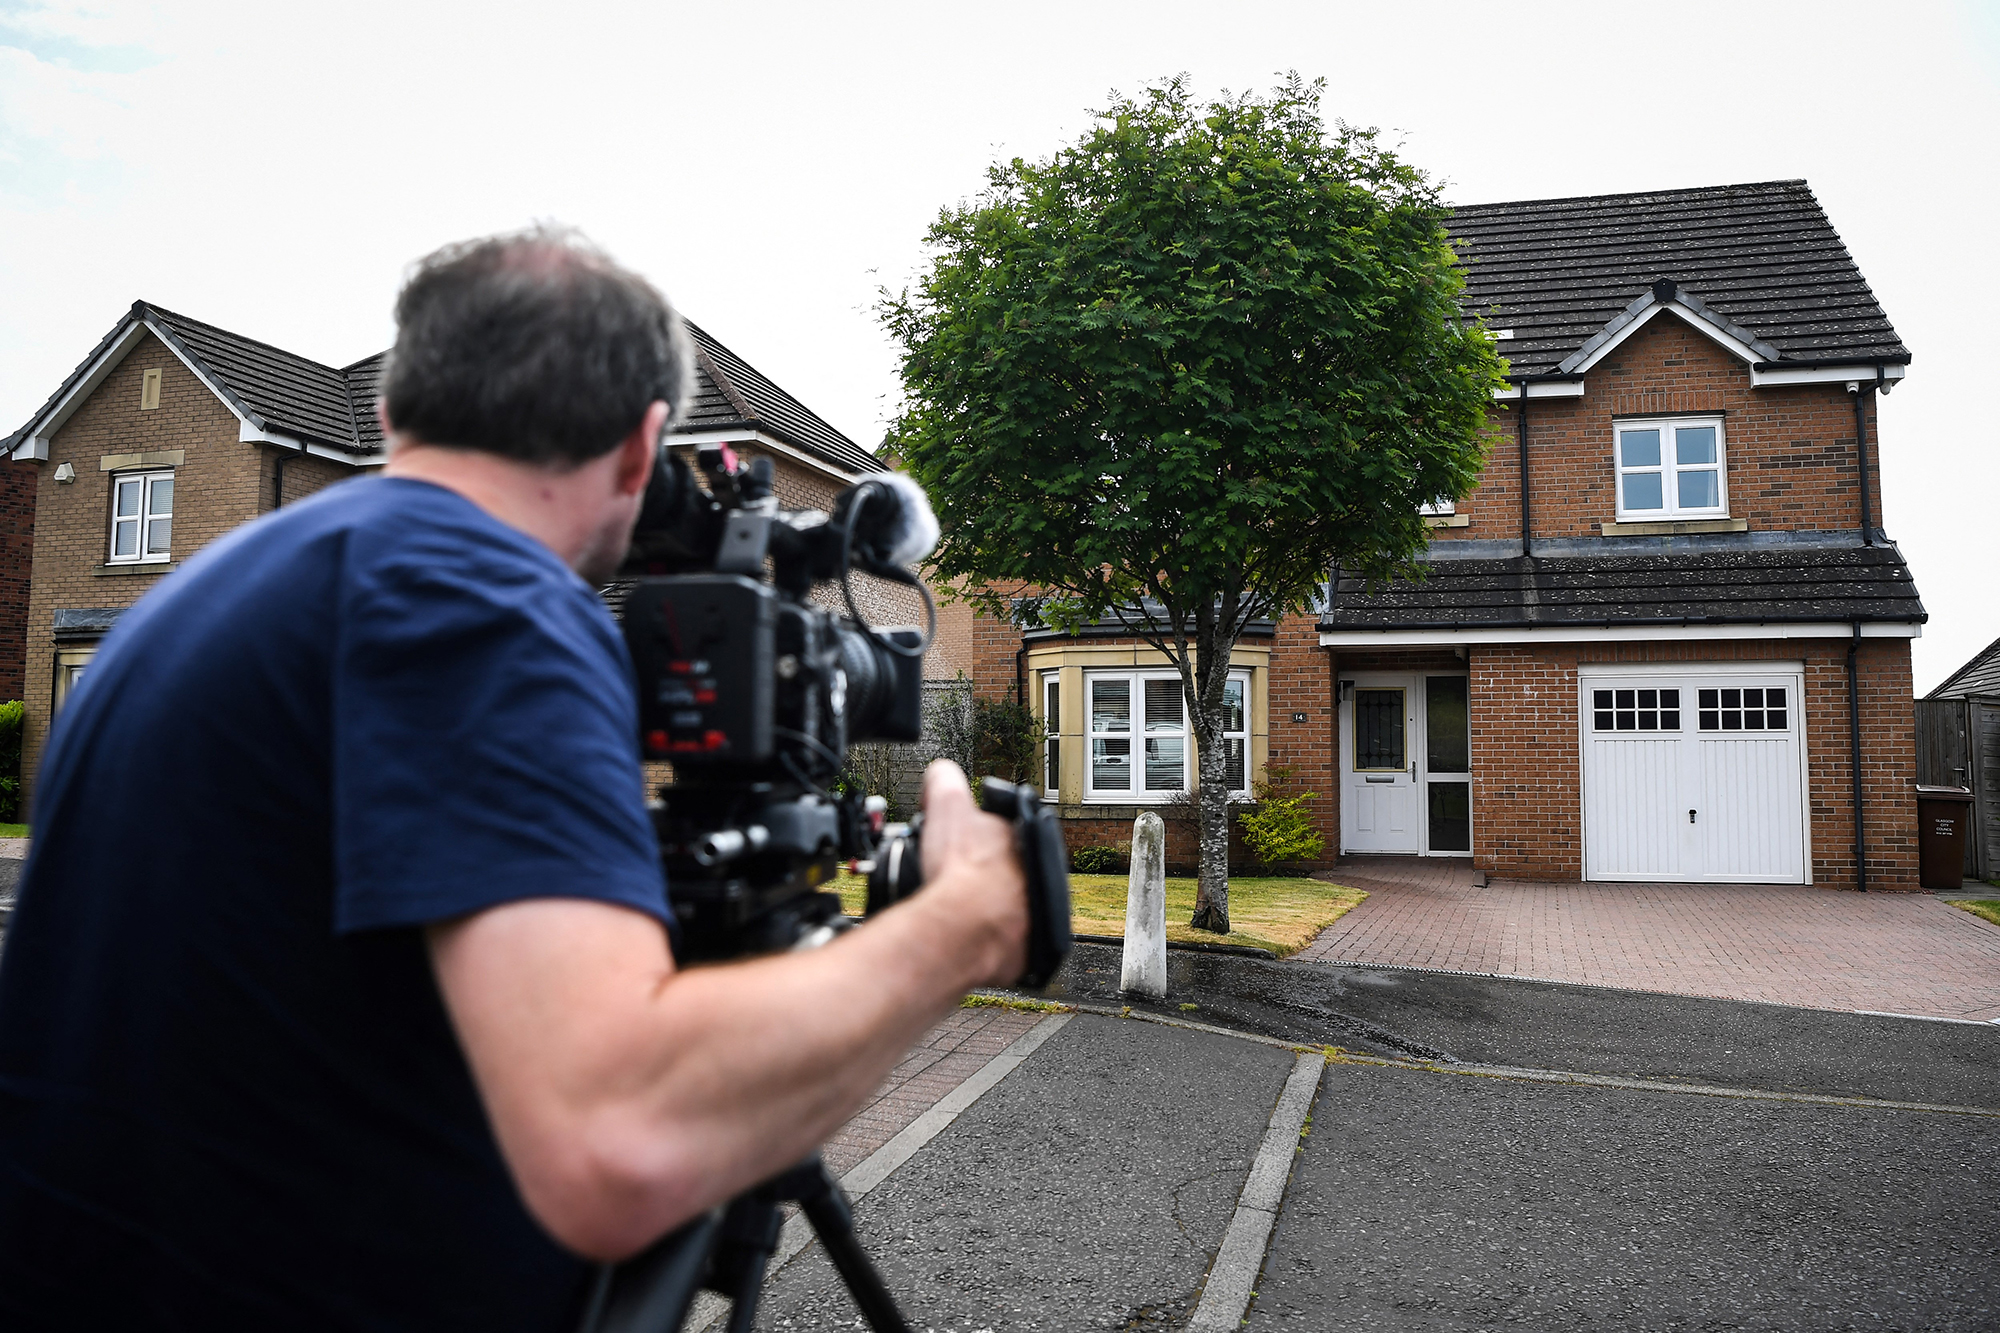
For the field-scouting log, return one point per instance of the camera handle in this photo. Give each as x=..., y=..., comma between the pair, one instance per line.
x=1045, y=865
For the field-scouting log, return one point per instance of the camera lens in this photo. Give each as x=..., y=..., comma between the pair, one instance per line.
x=884, y=688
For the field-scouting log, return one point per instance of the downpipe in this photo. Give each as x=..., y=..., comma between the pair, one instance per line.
x=1854, y=734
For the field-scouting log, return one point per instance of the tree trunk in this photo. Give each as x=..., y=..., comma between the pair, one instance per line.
x=1211, y=898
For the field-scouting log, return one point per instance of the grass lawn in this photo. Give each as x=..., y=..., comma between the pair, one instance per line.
x=1983, y=907
x=13, y=830
x=1278, y=914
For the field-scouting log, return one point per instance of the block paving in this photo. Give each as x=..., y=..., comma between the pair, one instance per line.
x=1898, y=953
x=948, y=1054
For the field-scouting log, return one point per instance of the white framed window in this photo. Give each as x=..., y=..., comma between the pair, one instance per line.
x=142, y=517
x=71, y=664
x=1443, y=507
x=1671, y=468
x=1140, y=743
x=1052, y=734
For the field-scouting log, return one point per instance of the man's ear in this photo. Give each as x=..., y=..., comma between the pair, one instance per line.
x=635, y=451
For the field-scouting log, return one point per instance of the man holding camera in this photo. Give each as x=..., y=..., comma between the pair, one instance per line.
x=339, y=993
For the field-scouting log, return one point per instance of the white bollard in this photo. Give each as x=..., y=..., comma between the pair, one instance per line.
x=1145, y=968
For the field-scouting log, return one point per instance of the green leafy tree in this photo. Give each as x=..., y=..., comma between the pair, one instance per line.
x=1180, y=369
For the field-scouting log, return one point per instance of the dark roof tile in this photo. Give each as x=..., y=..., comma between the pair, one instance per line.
x=729, y=391
x=1781, y=585
x=1763, y=256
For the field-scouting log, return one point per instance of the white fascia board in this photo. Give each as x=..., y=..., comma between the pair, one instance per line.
x=1824, y=375
x=35, y=443
x=36, y=446
x=1549, y=389
x=253, y=434
x=1694, y=319
x=1430, y=638
x=765, y=442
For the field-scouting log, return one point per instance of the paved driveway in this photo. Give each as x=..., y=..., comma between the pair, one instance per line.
x=1895, y=953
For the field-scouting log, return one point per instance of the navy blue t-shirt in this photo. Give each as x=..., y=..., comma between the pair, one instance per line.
x=230, y=1095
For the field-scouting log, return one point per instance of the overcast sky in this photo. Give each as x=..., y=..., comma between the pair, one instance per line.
x=272, y=169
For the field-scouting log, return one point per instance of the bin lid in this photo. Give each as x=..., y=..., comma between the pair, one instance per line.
x=1944, y=793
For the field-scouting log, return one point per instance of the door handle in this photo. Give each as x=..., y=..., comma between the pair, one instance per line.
x=1690, y=816
x=1413, y=770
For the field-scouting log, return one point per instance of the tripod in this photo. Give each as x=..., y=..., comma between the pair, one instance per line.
x=727, y=1250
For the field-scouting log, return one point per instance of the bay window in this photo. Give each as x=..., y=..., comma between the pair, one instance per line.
x=1141, y=746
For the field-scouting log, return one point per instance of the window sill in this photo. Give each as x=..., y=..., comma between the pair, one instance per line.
x=1685, y=527
x=1094, y=807
x=1447, y=520
x=136, y=567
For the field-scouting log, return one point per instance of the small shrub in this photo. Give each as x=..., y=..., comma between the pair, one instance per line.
x=1007, y=738
x=1279, y=827
x=10, y=761
x=1094, y=860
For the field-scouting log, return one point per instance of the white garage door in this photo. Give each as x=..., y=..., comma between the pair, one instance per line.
x=1694, y=775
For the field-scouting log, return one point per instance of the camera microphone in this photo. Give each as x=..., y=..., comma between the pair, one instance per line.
x=889, y=523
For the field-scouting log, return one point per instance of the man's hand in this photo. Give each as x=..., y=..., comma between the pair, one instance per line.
x=970, y=860
x=628, y=1096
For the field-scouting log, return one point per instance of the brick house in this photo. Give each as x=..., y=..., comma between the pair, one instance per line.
x=1644, y=640
x=172, y=432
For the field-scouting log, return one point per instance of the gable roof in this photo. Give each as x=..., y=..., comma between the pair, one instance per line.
x=276, y=393
x=1980, y=677
x=1761, y=263
x=732, y=393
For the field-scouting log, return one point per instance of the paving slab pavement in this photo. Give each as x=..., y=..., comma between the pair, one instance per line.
x=1900, y=953
x=1436, y=1201
x=1089, y=1190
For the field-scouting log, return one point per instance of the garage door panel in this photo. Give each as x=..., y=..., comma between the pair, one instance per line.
x=1737, y=766
x=1630, y=797
x=1750, y=787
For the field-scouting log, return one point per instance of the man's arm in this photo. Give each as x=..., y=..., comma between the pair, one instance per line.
x=628, y=1096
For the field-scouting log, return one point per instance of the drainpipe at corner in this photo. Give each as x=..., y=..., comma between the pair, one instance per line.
x=1854, y=732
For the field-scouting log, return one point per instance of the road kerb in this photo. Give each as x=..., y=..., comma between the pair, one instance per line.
x=880, y=1164
x=1232, y=1278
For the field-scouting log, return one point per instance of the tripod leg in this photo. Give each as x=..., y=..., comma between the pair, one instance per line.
x=833, y=1221
x=651, y=1292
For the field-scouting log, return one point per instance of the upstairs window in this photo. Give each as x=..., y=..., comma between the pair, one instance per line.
x=142, y=517
x=1671, y=469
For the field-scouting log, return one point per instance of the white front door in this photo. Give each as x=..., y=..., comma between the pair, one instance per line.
x=1378, y=765
x=1693, y=774
x=1405, y=765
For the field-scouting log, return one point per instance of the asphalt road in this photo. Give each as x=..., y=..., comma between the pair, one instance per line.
x=1088, y=1191
x=1437, y=1201
x=1091, y=1189
x=1588, y=1029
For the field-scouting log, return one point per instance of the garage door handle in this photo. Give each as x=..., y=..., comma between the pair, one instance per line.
x=1690, y=816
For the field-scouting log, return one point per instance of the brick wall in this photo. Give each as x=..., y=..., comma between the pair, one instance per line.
x=798, y=486
x=1527, y=808
x=17, y=555
x=221, y=483
x=1790, y=451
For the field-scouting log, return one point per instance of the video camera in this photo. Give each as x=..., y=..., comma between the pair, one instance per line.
x=753, y=692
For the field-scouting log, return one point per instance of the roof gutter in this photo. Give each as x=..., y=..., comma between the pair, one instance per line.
x=1681, y=622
